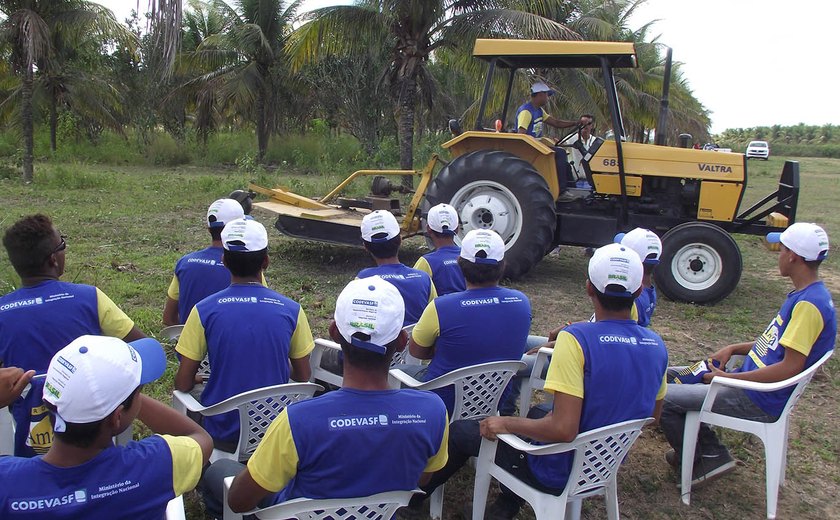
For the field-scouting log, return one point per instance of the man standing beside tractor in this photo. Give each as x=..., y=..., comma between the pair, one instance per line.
x=530, y=119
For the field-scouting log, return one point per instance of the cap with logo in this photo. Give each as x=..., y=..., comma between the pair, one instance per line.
x=223, y=211
x=539, y=86
x=483, y=246
x=615, y=264
x=369, y=313
x=807, y=240
x=443, y=219
x=377, y=223
x=90, y=377
x=644, y=242
x=245, y=235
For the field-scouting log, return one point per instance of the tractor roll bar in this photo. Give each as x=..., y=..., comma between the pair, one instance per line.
x=483, y=105
x=618, y=132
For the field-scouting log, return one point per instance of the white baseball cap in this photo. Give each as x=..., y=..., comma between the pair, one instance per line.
x=379, y=221
x=807, y=240
x=373, y=307
x=644, y=242
x=539, y=86
x=615, y=264
x=485, y=240
x=90, y=377
x=443, y=218
x=223, y=211
x=244, y=235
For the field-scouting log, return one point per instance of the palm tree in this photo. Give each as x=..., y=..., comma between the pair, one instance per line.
x=239, y=65
x=34, y=31
x=412, y=31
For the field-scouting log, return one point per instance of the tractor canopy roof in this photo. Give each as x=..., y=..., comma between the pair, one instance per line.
x=544, y=54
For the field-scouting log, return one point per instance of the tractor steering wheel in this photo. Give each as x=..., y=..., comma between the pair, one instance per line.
x=562, y=140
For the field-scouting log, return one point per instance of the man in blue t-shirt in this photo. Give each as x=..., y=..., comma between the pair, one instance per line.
x=601, y=373
x=484, y=323
x=201, y=273
x=531, y=118
x=381, y=238
x=92, y=389
x=44, y=315
x=362, y=439
x=442, y=263
x=649, y=248
x=250, y=333
x=800, y=334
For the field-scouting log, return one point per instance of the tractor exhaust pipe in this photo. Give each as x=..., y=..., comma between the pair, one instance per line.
x=662, y=126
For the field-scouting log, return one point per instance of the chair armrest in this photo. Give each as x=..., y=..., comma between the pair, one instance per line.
x=232, y=403
x=580, y=440
x=535, y=449
x=718, y=383
x=404, y=378
x=183, y=401
x=320, y=346
x=227, y=483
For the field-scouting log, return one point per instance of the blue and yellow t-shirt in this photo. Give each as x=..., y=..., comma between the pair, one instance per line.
x=133, y=481
x=249, y=333
x=35, y=323
x=352, y=443
x=531, y=119
x=442, y=265
x=617, y=367
x=415, y=287
x=807, y=324
x=197, y=275
x=644, y=306
x=471, y=327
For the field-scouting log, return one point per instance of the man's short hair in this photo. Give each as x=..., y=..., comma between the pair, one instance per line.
x=365, y=359
x=28, y=244
x=614, y=303
x=85, y=434
x=386, y=249
x=480, y=274
x=244, y=263
x=589, y=116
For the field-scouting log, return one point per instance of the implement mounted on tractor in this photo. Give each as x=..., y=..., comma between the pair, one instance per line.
x=508, y=182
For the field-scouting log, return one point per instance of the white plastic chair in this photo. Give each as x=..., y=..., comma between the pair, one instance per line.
x=597, y=455
x=535, y=381
x=773, y=435
x=478, y=389
x=257, y=409
x=171, y=333
x=319, y=373
x=7, y=432
x=175, y=509
x=380, y=506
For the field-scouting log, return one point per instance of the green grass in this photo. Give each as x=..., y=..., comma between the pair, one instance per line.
x=127, y=225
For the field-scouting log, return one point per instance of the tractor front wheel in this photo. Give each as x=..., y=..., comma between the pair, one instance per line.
x=700, y=263
x=499, y=191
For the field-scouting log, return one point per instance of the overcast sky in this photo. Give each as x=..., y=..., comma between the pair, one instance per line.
x=751, y=62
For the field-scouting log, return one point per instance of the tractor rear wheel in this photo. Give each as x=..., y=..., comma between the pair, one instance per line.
x=497, y=190
x=700, y=263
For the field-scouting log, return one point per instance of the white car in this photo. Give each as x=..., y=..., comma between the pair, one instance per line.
x=758, y=150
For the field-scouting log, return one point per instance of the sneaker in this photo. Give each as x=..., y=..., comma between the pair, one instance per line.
x=710, y=467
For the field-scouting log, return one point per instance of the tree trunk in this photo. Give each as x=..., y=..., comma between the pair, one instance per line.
x=27, y=124
x=53, y=121
x=262, y=131
x=406, y=106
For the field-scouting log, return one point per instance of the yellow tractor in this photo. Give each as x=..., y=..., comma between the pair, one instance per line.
x=508, y=182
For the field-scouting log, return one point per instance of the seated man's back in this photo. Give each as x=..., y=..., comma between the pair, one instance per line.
x=201, y=273
x=414, y=286
x=621, y=366
x=249, y=332
x=342, y=432
x=482, y=324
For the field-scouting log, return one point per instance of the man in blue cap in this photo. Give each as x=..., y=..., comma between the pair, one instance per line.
x=92, y=390
x=800, y=334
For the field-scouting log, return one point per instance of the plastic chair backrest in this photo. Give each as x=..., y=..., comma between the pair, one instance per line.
x=599, y=453
x=381, y=506
x=256, y=415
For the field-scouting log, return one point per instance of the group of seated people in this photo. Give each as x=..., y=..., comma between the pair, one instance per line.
x=74, y=366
